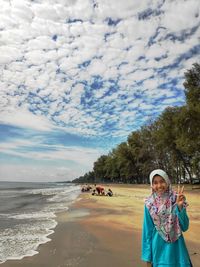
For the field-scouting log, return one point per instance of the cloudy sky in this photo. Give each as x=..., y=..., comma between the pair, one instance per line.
x=78, y=76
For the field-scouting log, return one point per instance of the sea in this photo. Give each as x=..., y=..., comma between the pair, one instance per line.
x=28, y=215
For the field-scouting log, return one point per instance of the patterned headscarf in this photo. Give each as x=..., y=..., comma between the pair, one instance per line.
x=160, y=173
x=162, y=210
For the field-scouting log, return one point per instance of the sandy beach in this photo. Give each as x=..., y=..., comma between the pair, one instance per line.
x=106, y=231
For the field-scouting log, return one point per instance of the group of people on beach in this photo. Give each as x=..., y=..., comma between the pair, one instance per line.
x=101, y=191
x=97, y=190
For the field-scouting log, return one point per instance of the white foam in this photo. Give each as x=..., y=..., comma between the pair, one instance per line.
x=55, y=191
x=33, y=215
x=33, y=228
x=24, y=239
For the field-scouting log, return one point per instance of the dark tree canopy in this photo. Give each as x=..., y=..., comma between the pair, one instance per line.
x=192, y=86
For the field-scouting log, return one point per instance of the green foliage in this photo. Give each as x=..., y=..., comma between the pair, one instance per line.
x=86, y=178
x=192, y=86
x=99, y=169
x=172, y=142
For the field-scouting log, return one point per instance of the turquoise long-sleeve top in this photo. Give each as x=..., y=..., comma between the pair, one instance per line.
x=159, y=252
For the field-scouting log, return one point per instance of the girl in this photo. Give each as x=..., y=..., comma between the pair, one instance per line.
x=165, y=219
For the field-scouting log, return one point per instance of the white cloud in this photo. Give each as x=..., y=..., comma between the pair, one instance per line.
x=78, y=160
x=176, y=13
x=37, y=173
x=24, y=118
x=78, y=155
x=97, y=67
x=9, y=54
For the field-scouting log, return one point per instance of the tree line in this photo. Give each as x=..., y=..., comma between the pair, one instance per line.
x=171, y=142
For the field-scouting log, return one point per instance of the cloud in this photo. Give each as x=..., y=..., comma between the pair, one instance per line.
x=21, y=172
x=31, y=150
x=43, y=162
x=175, y=13
x=91, y=68
x=9, y=54
x=23, y=118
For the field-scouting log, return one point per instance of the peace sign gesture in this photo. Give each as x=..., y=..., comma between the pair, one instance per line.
x=180, y=197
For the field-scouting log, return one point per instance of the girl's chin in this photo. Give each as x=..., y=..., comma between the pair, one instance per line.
x=160, y=192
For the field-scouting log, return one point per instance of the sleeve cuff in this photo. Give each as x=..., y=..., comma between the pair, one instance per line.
x=182, y=211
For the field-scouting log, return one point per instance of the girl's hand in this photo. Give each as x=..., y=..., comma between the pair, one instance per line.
x=180, y=197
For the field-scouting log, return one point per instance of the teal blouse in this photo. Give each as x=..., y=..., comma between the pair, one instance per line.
x=160, y=253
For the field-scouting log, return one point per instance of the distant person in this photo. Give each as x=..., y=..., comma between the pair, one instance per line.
x=86, y=188
x=109, y=193
x=100, y=190
x=94, y=192
x=83, y=189
x=165, y=218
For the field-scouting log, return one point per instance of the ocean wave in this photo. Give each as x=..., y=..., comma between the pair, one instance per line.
x=33, y=215
x=53, y=191
x=23, y=240
x=24, y=228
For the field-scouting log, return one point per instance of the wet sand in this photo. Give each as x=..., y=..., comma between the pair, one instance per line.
x=106, y=231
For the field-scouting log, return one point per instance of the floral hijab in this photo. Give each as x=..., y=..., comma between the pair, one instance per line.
x=162, y=210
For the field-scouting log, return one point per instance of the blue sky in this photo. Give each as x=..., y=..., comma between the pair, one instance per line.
x=77, y=77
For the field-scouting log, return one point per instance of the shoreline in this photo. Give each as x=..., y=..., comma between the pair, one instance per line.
x=101, y=230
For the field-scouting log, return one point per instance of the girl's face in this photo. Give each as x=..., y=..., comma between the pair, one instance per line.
x=159, y=185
